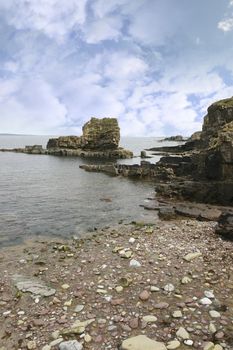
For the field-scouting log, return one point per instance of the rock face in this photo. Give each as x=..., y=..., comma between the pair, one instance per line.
x=100, y=139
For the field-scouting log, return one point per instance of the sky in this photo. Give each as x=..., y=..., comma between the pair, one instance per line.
x=156, y=65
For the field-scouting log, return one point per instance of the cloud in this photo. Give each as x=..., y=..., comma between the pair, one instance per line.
x=226, y=25
x=103, y=29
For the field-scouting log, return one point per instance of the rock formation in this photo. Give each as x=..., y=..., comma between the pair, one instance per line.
x=100, y=139
x=201, y=170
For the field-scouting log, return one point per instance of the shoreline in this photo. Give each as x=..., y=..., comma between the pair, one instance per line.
x=92, y=280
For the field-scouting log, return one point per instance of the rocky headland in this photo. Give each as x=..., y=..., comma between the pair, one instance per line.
x=100, y=139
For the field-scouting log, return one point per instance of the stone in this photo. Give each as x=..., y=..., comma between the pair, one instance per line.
x=192, y=256
x=65, y=286
x=70, y=345
x=79, y=308
x=31, y=345
x=46, y=347
x=209, y=294
x=169, y=288
x=173, y=344
x=119, y=289
x=188, y=342
x=205, y=301
x=134, y=263
x=182, y=333
x=162, y=305
x=214, y=314
x=177, y=314
x=225, y=225
x=154, y=289
x=144, y=295
x=33, y=286
x=186, y=280
x=141, y=342
x=149, y=319
x=87, y=338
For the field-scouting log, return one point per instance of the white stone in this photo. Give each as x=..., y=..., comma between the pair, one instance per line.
x=188, y=342
x=177, y=314
x=214, y=314
x=182, y=333
x=205, y=301
x=209, y=294
x=32, y=285
x=134, y=263
x=149, y=318
x=141, y=342
x=173, y=344
x=70, y=345
x=169, y=287
x=186, y=280
x=79, y=308
x=192, y=256
x=132, y=240
x=154, y=289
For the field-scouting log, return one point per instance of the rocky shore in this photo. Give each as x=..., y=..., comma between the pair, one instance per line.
x=170, y=285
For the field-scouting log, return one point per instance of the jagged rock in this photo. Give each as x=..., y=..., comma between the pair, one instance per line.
x=177, y=138
x=225, y=225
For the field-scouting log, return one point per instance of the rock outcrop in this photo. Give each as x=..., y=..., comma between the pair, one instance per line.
x=100, y=139
x=225, y=225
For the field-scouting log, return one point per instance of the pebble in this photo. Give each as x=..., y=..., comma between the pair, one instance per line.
x=209, y=294
x=182, y=333
x=132, y=240
x=205, y=301
x=141, y=342
x=186, y=280
x=31, y=345
x=70, y=345
x=144, y=295
x=154, y=289
x=79, y=308
x=149, y=319
x=192, y=256
x=169, y=288
x=134, y=263
x=214, y=314
x=177, y=314
x=65, y=286
x=87, y=338
x=188, y=342
x=46, y=347
x=161, y=305
x=173, y=344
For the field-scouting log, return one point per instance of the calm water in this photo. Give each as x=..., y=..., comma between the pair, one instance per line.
x=47, y=195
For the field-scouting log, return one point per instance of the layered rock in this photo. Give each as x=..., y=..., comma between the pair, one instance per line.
x=100, y=139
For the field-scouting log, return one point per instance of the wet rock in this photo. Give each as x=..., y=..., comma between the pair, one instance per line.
x=70, y=345
x=141, y=342
x=34, y=286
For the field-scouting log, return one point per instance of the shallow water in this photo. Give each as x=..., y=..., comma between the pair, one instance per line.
x=48, y=195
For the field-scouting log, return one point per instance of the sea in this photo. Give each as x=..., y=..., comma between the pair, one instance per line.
x=51, y=196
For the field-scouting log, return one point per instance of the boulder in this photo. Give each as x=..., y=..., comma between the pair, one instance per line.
x=225, y=225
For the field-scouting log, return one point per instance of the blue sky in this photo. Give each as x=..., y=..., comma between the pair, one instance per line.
x=154, y=64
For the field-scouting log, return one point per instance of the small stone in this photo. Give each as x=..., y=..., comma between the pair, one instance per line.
x=55, y=334
x=132, y=240
x=68, y=302
x=149, y=319
x=144, y=295
x=212, y=328
x=173, y=344
x=56, y=342
x=192, y=256
x=205, y=301
x=141, y=342
x=119, y=289
x=188, y=342
x=154, y=289
x=134, y=323
x=214, y=314
x=177, y=314
x=65, y=286
x=87, y=338
x=218, y=347
x=31, y=345
x=46, y=347
x=169, y=288
x=70, y=345
x=182, y=333
x=134, y=263
x=161, y=305
x=219, y=335
x=209, y=346
x=209, y=294
x=79, y=308
x=186, y=280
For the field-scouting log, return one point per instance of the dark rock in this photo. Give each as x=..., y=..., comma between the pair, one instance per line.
x=177, y=138
x=225, y=225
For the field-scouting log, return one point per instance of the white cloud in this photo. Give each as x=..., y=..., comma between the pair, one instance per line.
x=226, y=25
x=103, y=29
x=30, y=107
x=54, y=18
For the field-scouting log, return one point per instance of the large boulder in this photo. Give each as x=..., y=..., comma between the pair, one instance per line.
x=101, y=134
x=225, y=225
